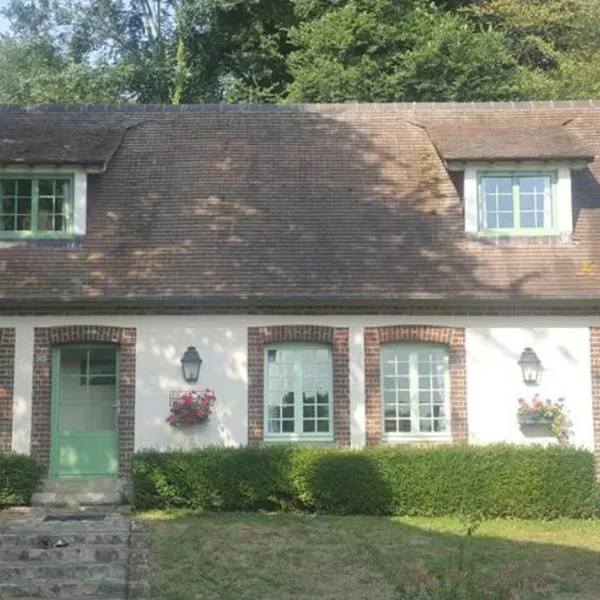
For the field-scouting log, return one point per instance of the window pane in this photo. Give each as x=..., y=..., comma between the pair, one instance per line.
x=505, y=221
x=323, y=412
x=421, y=407
x=279, y=392
x=498, y=202
x=298, y=379
x=534, y=201
x=322, y=426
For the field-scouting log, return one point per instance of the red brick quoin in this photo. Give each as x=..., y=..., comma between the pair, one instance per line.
x=336, y=337
x=452, y=337
x=7, y=379
x=45, y=338
x=595, y=360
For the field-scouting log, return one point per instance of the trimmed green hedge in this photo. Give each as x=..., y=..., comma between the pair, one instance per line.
x=19, y=477
x=500, y=480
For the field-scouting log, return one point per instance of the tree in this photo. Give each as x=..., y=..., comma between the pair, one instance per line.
x=382, y=50
x=35, y=72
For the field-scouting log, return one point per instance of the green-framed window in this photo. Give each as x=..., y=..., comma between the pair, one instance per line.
x=517, y=203
x=415, y=386
x=298, y=392
x=36, y=205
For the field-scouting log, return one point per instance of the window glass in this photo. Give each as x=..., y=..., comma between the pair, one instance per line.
x=34, y=205
x=298, y=386
x=514, y=202
x=415, y=389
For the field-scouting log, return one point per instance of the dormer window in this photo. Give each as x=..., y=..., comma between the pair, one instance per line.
x=516, y=180
x=517, y=203
x=37, y=206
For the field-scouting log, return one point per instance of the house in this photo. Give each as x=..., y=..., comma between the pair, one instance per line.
x=348, y=274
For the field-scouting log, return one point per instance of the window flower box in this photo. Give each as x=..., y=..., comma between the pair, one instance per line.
x=535, y=419
x=192, y=408
x=546, y=413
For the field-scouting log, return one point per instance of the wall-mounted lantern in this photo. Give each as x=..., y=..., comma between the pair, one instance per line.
x=190, y=364
x=531, y=366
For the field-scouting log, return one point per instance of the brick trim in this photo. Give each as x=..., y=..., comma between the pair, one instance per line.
x=337, y=337
x=595, y=375
x=7, y=383
x=453, y=337
x=45, y=338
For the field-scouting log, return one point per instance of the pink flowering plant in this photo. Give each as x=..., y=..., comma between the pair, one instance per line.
x=191, y=408
x=546, y=410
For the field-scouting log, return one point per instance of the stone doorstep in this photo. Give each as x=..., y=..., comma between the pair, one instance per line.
x=64, y=571
x=106, y=590
x=75, y=499
x=100, y=553
x=105, y=559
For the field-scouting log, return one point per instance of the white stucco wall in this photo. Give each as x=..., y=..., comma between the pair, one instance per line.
x=494, y=383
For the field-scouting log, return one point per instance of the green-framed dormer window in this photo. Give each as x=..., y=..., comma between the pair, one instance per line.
x=517, y=203
x=36, y=206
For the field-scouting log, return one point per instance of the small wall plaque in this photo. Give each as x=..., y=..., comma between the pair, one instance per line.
x=174, y=395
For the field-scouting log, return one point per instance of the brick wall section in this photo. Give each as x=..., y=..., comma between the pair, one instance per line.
x=453, y=337
x=7, y=378
x=337, y=337
x=45, y=338
x=595, y=363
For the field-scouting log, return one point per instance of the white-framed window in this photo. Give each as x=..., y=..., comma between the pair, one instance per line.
x=415, y=387
x=298, y=392
x=517, y=203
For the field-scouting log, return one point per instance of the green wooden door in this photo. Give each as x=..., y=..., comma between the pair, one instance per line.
x=84, y=411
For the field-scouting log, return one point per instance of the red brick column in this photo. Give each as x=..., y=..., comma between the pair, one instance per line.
x=337, y=337
x=595, y=368
x=45, y=338
x=453, y=337
x=7, y=379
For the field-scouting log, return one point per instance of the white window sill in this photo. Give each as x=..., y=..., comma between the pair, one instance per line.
x=445, y=438
x=297, y=439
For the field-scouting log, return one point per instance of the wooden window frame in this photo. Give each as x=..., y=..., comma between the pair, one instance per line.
x=33, y=231
x=517, y=230
x=412, y=348
x=298, y=434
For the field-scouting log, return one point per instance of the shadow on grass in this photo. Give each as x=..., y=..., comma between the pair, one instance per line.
x=275, y=556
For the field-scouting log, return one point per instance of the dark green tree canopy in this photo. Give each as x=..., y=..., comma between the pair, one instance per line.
x=157, y=51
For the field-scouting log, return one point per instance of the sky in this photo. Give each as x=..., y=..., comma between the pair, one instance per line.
x=3, y=23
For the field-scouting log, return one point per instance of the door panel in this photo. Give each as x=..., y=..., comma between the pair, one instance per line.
x=84, y=403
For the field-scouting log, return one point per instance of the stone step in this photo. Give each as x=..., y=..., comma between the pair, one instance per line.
x=48, y=539
x=66, y=572
x=101, y=553
x=65, y=591
x=60, y=499
x=66, y=485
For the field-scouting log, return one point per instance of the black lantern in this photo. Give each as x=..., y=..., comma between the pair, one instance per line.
x=531, y=366
x=190, y=364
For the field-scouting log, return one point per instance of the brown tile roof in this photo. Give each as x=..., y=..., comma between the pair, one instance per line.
x=507, y=141
x=68, y=139
x=323, y=202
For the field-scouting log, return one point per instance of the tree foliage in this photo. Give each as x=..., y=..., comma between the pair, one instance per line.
x=157, y=51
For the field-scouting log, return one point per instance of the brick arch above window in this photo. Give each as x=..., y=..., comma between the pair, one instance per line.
x=336, y=337
x=45, y=338
x=452, y=337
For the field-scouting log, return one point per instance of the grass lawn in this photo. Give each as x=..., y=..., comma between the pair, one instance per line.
x=300, y=557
